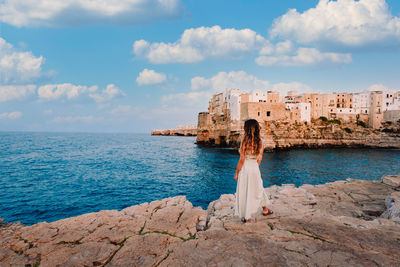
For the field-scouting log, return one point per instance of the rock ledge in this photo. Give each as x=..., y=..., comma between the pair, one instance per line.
x=345, y=223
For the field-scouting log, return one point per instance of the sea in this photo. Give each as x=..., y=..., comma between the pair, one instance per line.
x=51, y=176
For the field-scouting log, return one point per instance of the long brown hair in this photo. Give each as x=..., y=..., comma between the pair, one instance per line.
x=252, y=139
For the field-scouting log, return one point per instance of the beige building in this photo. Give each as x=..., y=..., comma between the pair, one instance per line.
x=216, y=105
x=299, y=112
x=375, y=109
x=263, y=111
x=232, y=107
x=245, y=98
x=273, y=97
x=391, y=115
x=344, y=100
x=203, y=120
x=322, y=105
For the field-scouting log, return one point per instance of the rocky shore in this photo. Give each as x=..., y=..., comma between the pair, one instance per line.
x=175, y=132
x=344, y=223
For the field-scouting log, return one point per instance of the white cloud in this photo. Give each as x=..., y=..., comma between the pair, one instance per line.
x=377, y=87
x=191, y=99
x=64, y=90
x=283, y=88
x=304, y=56
x=148, y=77
x=244, y=81
x=280, y=48
x=12, y=92
x=18, y=66
x=107, y=94
x=70, y=91
x=84, y=119
x=32, y=13
x=345, y=22
x=233, y=79
x=11, y=115
x=197, y=44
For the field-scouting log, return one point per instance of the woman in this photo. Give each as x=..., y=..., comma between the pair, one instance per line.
x=250, y=195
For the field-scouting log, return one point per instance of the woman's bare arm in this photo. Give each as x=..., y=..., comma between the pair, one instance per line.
x=260, y=154
x=240, y=163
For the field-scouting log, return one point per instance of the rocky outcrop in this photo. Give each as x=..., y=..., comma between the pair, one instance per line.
x=345, y=223
x=318, y=134
x=175, y=132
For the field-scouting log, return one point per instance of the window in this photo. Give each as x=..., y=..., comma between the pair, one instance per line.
x=258, y=114
x=338, y=105
x=260, y=100
x=268, y=113
x=365, y=112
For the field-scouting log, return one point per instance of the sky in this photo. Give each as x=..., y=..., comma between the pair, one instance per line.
x=138, y=65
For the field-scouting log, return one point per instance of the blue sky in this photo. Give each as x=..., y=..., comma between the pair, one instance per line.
x=135, y=65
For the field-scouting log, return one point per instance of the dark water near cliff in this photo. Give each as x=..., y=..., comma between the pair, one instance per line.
x=49, y=176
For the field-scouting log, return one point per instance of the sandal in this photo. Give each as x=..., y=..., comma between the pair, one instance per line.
x=268, y=213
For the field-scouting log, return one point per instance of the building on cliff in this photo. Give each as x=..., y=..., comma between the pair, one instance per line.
x=229, y=109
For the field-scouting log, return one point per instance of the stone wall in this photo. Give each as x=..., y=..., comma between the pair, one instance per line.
x=263, y=111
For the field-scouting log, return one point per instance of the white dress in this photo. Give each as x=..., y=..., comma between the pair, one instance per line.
x=250, y=194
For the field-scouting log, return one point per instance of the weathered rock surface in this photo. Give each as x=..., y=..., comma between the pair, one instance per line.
x=392, y=180
x=345, y=223
x=318, y=134
x=175, y=132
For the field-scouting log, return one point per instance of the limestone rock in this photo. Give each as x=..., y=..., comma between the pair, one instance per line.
x=392, y=180
x=278, y=135
x=335, y=224
x=393, y=207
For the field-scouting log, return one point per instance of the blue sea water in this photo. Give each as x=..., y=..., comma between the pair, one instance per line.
x=50, y=176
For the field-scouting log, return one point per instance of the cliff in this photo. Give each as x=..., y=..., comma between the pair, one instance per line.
x=279, y=135
x=345, y=223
